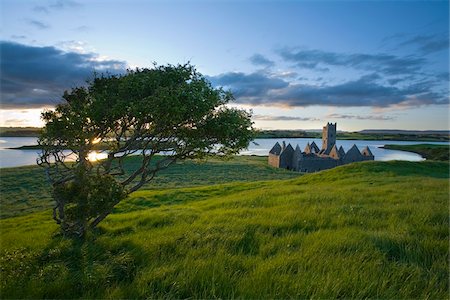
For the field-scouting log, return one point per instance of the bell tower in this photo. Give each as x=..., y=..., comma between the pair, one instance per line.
x=329, y=136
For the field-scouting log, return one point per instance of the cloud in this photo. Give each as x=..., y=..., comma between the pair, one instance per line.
x=260, y=60
x=37, y=76
x=260, y=89
x=82, y=28
x=16, y=122
x=41, y=8
x=383, y=63
x=358, y=117
x=56, y=5
x=38, y=24
x=62, y=4
x=425, y=43
x=361, y=92
x=18, y=37
x=286, y=74
x=248, y=85
x=444, y=76
x=281, y=118
x=428, y=43
x=75, y=46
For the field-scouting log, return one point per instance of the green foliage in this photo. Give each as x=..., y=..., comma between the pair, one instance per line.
x=429, y=151
x=168, y=109
x=364, y=230
x=86, y=198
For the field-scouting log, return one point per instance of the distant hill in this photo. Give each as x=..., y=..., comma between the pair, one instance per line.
x=20, y=131
x=368, y=134
x=397, y=131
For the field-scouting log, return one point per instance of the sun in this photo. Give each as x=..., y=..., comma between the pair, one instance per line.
x=96, y=156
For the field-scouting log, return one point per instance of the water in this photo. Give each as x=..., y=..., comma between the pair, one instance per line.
x=263, y=146
x=16, y=158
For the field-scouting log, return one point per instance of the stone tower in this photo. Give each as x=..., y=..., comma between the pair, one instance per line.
x=329, y=136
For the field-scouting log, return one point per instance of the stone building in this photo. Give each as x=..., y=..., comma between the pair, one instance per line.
x=313, y=159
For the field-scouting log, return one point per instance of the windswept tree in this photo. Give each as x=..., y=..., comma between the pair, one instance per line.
x=158, y=115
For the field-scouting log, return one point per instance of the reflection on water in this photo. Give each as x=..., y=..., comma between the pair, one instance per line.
x=92, y=156
x=15, y=158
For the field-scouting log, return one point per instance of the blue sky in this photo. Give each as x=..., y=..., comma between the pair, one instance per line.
x=296, y=64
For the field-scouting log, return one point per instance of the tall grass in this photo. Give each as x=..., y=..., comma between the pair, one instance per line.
x=372, y=229
x=25, y=189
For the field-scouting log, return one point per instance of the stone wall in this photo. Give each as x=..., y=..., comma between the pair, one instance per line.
x=316, y=164
x=286, y=158
x=274, y=160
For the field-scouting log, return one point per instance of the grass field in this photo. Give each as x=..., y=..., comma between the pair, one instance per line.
x=25, y=189
x=371, y=229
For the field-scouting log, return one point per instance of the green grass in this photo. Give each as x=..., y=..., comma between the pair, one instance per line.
x=364, y=230
x=25, y=189
x=428, y=151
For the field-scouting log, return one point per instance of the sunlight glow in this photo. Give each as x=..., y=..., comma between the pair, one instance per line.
x=96, y=156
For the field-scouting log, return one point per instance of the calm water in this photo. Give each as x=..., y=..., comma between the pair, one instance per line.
x=15, y=158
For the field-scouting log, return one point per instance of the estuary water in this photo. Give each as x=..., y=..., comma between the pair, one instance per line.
x=261, y=147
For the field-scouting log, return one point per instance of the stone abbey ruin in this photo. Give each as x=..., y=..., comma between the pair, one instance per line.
x=312, y=159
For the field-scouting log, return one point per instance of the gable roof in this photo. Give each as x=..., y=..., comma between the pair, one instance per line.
x=366, y=151
x=334, y=153
x=341, y=151
x=276, y=149
x=307, y=148
x=288, y=149
x=353, y=153
x=314, y=147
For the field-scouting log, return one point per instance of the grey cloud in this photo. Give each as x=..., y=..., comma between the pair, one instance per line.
x=281, y=118
x=18, y=37
x=41, y=8
x=259, y=89
x=56, y=5
x=287, y=74
x=37, y=76
x=38, y=24
x=359, y=117
x=248, y=85
x=428, y=43
x=383, y=63
x=361, y=92
x=260, y=60
x=61, y=4
x=444, y=76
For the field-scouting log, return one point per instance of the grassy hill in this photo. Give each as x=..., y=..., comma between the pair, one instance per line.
x=25, y=189
x=372, y=229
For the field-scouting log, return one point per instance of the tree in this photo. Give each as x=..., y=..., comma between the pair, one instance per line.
x=169, y=110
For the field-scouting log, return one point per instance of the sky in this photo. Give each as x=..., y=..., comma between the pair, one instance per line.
x=294, y=64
